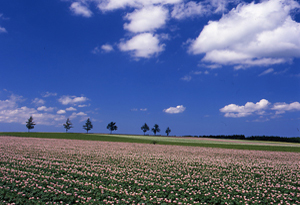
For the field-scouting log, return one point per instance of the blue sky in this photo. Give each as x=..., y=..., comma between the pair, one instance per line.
x=198, y=67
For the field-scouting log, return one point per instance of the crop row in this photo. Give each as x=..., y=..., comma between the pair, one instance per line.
x=49, y=171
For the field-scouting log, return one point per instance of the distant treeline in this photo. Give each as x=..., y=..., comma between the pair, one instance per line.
x=275, y=138
x=242, y=137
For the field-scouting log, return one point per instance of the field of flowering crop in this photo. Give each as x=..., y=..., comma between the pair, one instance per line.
x=57, y=171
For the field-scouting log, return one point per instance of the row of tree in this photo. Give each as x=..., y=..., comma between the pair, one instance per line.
x=88, y=126
x=155, y=129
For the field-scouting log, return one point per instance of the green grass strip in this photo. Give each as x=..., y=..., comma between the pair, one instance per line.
x=227, y=144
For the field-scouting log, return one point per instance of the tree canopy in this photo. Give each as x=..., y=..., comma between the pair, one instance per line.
x=155, y=129
x=112, y=126
x=88, y=125
x=68, y=125
x=145, y=128
x=168, y=131
x=30, y=124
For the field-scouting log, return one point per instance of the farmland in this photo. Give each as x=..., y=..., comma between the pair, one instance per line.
x=62, y=171
x=162, y=140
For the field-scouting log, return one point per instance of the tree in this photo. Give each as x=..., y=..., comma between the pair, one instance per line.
x=155, y=129
x=68, y=125
x=112, y=126
x=88, y=125
x=145, y=128
x=168, y=131
x=30, y=124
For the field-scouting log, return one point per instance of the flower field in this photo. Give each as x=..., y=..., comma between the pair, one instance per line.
x=58, y=171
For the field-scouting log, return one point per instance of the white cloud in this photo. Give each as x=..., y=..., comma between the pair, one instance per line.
x=251, y=35
x=80, y=9
x=61, y=112
x=212, y=66
x=48, y=94
x=175, y=110
x=3, y=30
x=109, y=5
x=146, y=19
x=73, y=100
x=11, y=102
x=270, y=70
x=249, y=108
x=283, y=107
x=38, y=101
x=84, y=105
x=193, y=8
x=71, y=109
x=10, y=112
x=135, y=109
x=81, y=114
x=190, y=9
x=220, y=6
x=143, y=45
x=107, y=48
x=46, y=109
x=187, y=78
x=96, y=50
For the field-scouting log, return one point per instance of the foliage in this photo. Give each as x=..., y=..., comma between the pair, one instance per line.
x=30, y=124
x=240, y=137
x=168, y=131
x=145, y=128
x=155, y=129
x=88, y=125
x=112, y=126
x=109, y=173
x=275, y=138
x=68, y=125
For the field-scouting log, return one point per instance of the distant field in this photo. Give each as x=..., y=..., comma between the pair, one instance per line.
x=63, y=171
x=162, y=140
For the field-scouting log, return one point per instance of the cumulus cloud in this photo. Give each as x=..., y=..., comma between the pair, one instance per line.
x=71, y=109
x=3, y=30
x=189, y=9
x=175, y=110
x=11, y=102
x=81, y=114
x=143, y=45
x=11, y=112
x=80, y=9
x=283, y=107
x=109, y=5
x=61, y=112
x=251, y=35
x=107, y=48
x=46, y=109
x=249, y=108
x=192, y=8
x=38, y=101
x=146, y=19
x=72, y=100
x=48, y=94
